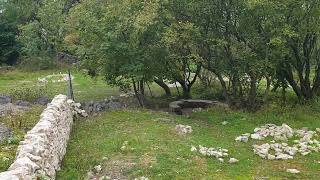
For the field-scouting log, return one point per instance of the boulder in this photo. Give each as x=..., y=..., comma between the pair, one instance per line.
x=177, y=106
x=293, y=171
x=4, y=99
x=44, y=100
x=233, y=160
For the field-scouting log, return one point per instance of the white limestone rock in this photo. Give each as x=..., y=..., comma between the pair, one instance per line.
x=193, y=149
x=293, y=171
x=183, y=129
x=233, y=160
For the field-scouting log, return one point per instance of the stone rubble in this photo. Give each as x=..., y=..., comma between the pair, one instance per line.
x=219, y=153
x=124, y=145
x=243, y=138
x=183, y=129
x=110, y=103
x=77, y=108
x=55, y=78
x=165, y=120
x=43, y=148
x=278, y=149
x=293, y=171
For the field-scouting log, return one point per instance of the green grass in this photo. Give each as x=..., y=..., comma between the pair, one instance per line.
x=85, y=87
x=159, y=153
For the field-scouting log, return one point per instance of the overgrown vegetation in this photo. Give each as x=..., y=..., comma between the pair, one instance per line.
x=248, y=45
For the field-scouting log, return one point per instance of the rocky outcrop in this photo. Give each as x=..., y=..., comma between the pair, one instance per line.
x=110, y=103
x=42, y=150
x=178, y=106
x=4, y=99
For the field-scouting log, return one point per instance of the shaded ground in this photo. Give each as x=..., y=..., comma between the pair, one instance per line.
x=155, y=151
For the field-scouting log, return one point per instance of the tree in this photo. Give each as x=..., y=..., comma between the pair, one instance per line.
x=299, y=32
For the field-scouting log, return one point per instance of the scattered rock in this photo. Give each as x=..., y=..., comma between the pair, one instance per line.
x=193, y=149
x=293, y=171
x=4, y=99
x=165, y=120
x=178, y=106
x=98, y=169
x=283, y=133
x=44, y=100
x=197, y=109
x=233, y=160
x=225, y=123
x=183, y=129
x=124, y=145
x=110, y=103
x=23, y=103
x=5, y=132
x=127, y=95
x=217, y=153
x=55, y=78
x=257, y=137
x=76, y=107
x=243, y=138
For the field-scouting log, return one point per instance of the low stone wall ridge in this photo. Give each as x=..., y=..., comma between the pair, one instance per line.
x=41, y=152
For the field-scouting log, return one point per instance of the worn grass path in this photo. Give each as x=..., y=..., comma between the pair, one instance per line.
x=155, y=151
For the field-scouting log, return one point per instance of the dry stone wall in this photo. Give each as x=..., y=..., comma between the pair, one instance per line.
x=44, y=147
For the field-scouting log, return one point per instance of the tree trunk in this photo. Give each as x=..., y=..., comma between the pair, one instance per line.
x=186, y=94
x=252, y=94
x=141, y=87
x=164, y=86
x=175, y=83
x=151, y=94
x=267, y=90
x=137, y=93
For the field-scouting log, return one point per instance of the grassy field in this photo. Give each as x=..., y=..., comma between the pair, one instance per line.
x=85, y=87
x=155, y=151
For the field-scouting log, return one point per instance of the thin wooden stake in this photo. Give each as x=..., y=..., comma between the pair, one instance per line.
x=70, y=92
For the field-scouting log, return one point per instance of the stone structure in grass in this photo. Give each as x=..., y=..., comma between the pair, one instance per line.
x=55, y=78
x=219, y=153
x=303, y=141
x=179, y=107
x=39, y=155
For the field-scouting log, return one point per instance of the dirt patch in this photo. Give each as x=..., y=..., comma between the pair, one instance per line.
x=115, y=168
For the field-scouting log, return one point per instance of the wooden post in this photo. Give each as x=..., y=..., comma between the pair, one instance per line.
x=70, y=89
